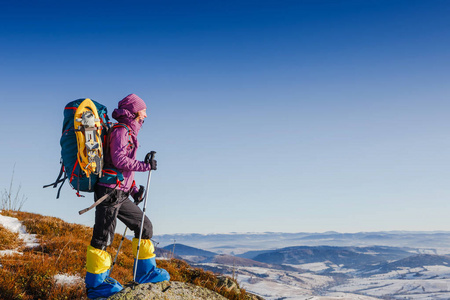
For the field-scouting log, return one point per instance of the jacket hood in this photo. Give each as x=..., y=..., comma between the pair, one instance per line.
x=132, y=103
x=127, y=109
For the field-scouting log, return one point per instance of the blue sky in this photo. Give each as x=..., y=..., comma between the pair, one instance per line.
x=266, y=115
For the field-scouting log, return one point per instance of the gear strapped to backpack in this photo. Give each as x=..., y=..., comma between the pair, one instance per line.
x=84, y=143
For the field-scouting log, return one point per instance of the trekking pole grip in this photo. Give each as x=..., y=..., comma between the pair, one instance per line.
x=149, y=157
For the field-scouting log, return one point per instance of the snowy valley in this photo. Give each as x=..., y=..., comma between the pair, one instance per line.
x=402, y=265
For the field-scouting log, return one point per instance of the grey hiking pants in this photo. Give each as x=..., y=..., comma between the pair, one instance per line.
x=117, y=206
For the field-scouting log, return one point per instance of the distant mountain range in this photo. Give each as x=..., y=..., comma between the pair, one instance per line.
x=414, y=261
x=183, y=250
x=435, y=242
x=351, y=257
x=370, y=260
x=349, y=271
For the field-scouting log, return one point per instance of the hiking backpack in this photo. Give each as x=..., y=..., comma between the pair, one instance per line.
x=84, y=142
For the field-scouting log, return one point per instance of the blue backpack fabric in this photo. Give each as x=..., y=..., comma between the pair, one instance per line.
x=70, y=168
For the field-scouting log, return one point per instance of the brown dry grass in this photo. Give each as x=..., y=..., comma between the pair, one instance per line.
x=9, y=240
x=62, y=250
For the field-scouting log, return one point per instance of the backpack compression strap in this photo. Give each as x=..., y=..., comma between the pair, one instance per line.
x=58, y=181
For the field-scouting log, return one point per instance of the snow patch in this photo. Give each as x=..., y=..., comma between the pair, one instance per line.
x=314, y=267
x=14, y=225
x=65, y=279
x=9, y=252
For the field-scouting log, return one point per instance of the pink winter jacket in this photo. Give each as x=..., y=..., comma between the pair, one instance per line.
x=122, y=153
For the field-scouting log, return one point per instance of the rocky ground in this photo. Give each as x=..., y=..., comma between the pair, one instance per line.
x=166, y=291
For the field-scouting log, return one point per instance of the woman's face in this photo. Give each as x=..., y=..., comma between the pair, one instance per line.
x=141, y=115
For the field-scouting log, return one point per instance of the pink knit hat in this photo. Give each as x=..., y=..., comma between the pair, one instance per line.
x=132, y=103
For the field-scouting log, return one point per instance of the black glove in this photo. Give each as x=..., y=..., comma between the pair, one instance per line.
x=139, y=196
x=149, y=160
x=153, y=164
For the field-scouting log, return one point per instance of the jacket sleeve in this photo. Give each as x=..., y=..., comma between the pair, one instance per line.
x=119, y=153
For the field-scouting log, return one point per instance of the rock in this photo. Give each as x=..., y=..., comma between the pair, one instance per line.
x=228, y=283
x=251, y=296
x=165, y=290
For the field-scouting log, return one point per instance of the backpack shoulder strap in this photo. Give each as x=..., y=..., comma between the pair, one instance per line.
x=130, y=141
x=117, y=125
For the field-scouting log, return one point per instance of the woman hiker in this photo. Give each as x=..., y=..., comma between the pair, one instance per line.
x=123, y=145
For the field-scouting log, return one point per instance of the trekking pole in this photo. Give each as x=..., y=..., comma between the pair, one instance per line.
x=148, y=158
x=118, y=250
